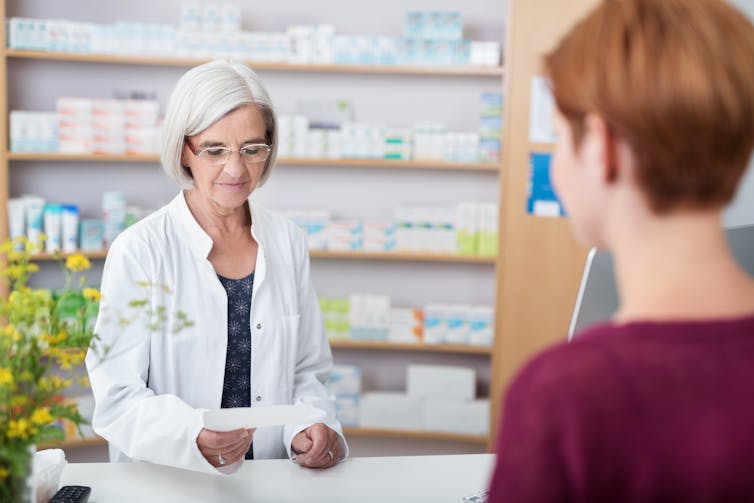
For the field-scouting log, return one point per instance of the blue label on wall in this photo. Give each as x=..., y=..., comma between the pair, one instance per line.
x=542, y=201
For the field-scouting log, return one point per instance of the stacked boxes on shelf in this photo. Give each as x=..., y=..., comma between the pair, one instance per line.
x=371, y=317
x=88, y=126
x=301, y=138
x=490, y=127
x=459, y=324
x=62, y=225
x=33, y=131
x=344, y=383
x=465, y=229
x=213, y=30
x=438, y=398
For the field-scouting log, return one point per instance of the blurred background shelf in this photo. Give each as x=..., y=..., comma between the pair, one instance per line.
x=461, y=71
x=304, y=161
x=399, y=346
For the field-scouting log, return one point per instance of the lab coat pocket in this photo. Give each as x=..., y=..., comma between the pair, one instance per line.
x=290, y=334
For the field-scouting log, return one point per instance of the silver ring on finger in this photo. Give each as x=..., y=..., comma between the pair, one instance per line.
x=221, y=459
x=332, y=456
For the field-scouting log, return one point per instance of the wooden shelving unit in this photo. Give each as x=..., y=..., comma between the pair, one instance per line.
x=73, y=442
x=461, y=71
x=290, y=161
x=332, y=255
x=418, y=348
x=497, y=74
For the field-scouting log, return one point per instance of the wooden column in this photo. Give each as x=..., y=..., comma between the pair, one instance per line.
x=540, y=263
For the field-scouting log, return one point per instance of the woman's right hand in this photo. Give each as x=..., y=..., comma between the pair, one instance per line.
x=222, y=448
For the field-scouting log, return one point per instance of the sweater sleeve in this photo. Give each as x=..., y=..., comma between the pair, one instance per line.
x=530, y=466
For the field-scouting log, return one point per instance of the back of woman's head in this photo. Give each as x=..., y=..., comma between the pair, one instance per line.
x=675, y=80
x=202, y=96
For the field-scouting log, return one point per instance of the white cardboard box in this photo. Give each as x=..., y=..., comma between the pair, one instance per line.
x=457, y=417
x=441, y=382
x=344, y=380
x=347, y=409
x=390, y=410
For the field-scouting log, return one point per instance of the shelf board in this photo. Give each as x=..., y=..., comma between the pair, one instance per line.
x=392, y=163
x=402, y=256
x=400, y=346
x=54, y=156
x=290, y=161
x=461, y=71
x=42, y=257
x=73, y=442
x=325, y=254
x=432, y=435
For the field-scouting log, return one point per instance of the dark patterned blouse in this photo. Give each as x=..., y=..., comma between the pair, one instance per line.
x=237, y=383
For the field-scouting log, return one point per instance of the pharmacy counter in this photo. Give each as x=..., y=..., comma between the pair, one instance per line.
x=433, y=479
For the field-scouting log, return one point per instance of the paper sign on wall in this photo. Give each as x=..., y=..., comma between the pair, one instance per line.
x=541, y=108
x=542, y=201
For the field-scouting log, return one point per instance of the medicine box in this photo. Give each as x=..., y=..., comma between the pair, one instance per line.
x=441, y=382
x=344, y=380
x=347, y=409
x=456, y=417
x=390, y=410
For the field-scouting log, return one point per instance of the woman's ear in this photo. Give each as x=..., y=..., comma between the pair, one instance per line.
x=602, y=147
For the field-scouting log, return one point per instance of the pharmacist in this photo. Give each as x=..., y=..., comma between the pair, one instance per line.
x=239, y=272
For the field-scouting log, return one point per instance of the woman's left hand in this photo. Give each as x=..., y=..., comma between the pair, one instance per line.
x=317, y=447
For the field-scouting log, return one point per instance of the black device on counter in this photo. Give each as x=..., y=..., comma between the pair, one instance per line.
x=72, y=494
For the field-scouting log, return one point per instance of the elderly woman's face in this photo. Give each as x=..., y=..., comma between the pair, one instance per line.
x=227, y=186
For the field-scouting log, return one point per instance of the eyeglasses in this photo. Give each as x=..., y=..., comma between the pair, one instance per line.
x=251, y=153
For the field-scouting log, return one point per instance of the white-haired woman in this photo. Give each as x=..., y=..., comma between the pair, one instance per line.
x=240, y=272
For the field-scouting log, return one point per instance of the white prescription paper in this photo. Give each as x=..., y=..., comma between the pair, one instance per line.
x=541, y=108
x=254, y=417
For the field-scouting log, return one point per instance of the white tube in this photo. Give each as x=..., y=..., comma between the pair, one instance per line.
x=53, y=216
x=34, y=211
x=16, y=216
x=70, y=228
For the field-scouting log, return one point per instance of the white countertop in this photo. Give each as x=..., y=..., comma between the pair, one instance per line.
x=433, y=479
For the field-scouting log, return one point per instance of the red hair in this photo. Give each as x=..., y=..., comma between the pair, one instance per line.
x=675, y=80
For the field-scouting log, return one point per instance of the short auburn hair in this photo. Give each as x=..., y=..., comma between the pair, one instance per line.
x=675, y=80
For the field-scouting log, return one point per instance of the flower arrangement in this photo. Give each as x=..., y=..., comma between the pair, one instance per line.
x=43, y=337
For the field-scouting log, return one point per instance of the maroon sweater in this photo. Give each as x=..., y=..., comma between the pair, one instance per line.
x=642, y=412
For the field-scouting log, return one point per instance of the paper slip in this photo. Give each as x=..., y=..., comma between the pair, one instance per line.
x=254, y=417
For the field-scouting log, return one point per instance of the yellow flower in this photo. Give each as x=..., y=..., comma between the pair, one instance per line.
x=6, y=377
x=15, y=255
x=10, y=332
x=3, y=473
x=91, y=294
x=77, y=263
x=19, y=429
x=18, y=401
x=41, y=416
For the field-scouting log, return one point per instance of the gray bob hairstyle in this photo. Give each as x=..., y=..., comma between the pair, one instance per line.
x=202, y=96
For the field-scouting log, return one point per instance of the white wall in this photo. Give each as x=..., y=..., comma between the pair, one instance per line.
x=741, y=211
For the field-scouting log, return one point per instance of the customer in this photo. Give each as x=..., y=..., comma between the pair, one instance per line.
x=655, y=117
x=241, y=275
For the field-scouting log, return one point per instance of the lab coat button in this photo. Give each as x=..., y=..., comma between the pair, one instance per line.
x=259, y=398
x=259, y=326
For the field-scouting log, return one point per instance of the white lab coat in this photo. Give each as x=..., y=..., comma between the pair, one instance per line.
x=152, y=386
